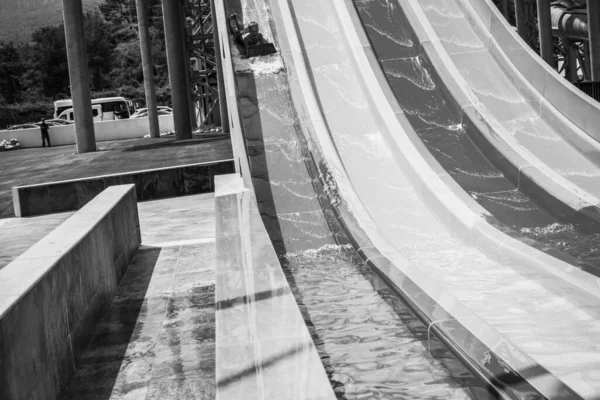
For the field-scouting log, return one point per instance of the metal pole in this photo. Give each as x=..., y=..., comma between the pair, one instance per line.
x=79, y=76
x=504, y=8
x=188, y=67
x=545, y=31
x=571, y=62
x=148, y=67
x=593, y=9
x=521, y=18
x=176, y=59
x=223, y=119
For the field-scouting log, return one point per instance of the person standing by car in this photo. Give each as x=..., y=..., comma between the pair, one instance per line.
x=45, y=135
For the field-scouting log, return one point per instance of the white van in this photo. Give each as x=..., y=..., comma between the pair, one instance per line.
x=68, y=114
x=112, y=107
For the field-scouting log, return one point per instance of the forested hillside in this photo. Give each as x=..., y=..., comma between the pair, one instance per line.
x=19, y=18
x=35, y=73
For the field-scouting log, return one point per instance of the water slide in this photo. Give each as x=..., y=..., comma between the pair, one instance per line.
x=382, y=106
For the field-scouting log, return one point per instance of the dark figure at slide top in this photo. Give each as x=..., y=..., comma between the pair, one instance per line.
x=249, y=38
x=45, y=135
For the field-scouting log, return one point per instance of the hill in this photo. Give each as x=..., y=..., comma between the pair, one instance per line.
x=19, y=18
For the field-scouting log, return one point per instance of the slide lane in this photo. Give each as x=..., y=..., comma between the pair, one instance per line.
x=395, y=196
x=514, y=131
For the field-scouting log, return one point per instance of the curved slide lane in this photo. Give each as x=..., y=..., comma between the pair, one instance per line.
x=420, y=227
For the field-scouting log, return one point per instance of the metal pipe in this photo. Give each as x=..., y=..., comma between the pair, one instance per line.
x=79, y=76
x=176, y=59
x=147, y=67
x=545, y=32
x=593, y=9
x=571, y=24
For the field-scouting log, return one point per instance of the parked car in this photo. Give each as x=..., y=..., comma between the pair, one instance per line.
x=22, y=126
x=58, y=122
x=143, y=112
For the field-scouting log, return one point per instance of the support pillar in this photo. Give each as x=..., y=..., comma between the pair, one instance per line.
x=545, y=32
x=593, y=9
x=176, y=59
x=224, y=116
x=147, y=67
x=79, y=76
x=521, y=19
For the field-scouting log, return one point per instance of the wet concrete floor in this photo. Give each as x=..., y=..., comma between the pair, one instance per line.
x=156, y=341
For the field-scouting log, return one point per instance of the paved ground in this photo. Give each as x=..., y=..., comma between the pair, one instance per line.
x=157, y=340
x=30, y=166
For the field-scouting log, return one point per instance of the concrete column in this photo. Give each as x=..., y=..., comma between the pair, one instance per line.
x=79, y=76
x=147, y=67
x=521, y=18
x=176, y=59
x=545, y=31
x=593, y=9
x=223, y=119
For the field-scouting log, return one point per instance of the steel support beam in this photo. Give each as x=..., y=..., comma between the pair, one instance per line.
x=521, y=18
x=220, y=81
x=177, y=59
x=79, y=76
x=147, y=67
x=545, y=32
x=504, y=8
x=593, y=8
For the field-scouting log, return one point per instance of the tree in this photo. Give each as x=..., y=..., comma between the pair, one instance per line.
x=99, y=47
x=51, y=59
x=11, y=68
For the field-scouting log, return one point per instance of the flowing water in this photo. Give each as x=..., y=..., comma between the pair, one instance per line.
x=416, y=86
x=371, y=343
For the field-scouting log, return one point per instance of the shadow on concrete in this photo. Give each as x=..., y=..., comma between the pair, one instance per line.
x=253, y=298
x=98, y=367
x=254, y=369
x=179, y=143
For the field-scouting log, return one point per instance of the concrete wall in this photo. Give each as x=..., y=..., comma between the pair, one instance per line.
x=52, y=295
x=150, y=184
x=106, y=130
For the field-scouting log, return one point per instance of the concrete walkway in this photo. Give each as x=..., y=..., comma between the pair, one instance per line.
x=43, y=165
x=156, y=341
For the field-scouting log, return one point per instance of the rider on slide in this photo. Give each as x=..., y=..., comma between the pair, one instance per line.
x=245, y=37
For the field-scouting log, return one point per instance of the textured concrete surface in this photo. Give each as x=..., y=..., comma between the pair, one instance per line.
x=156, y=340
x=264, y=349
x=19, y=234
x=52, y=295
x=33, y=166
